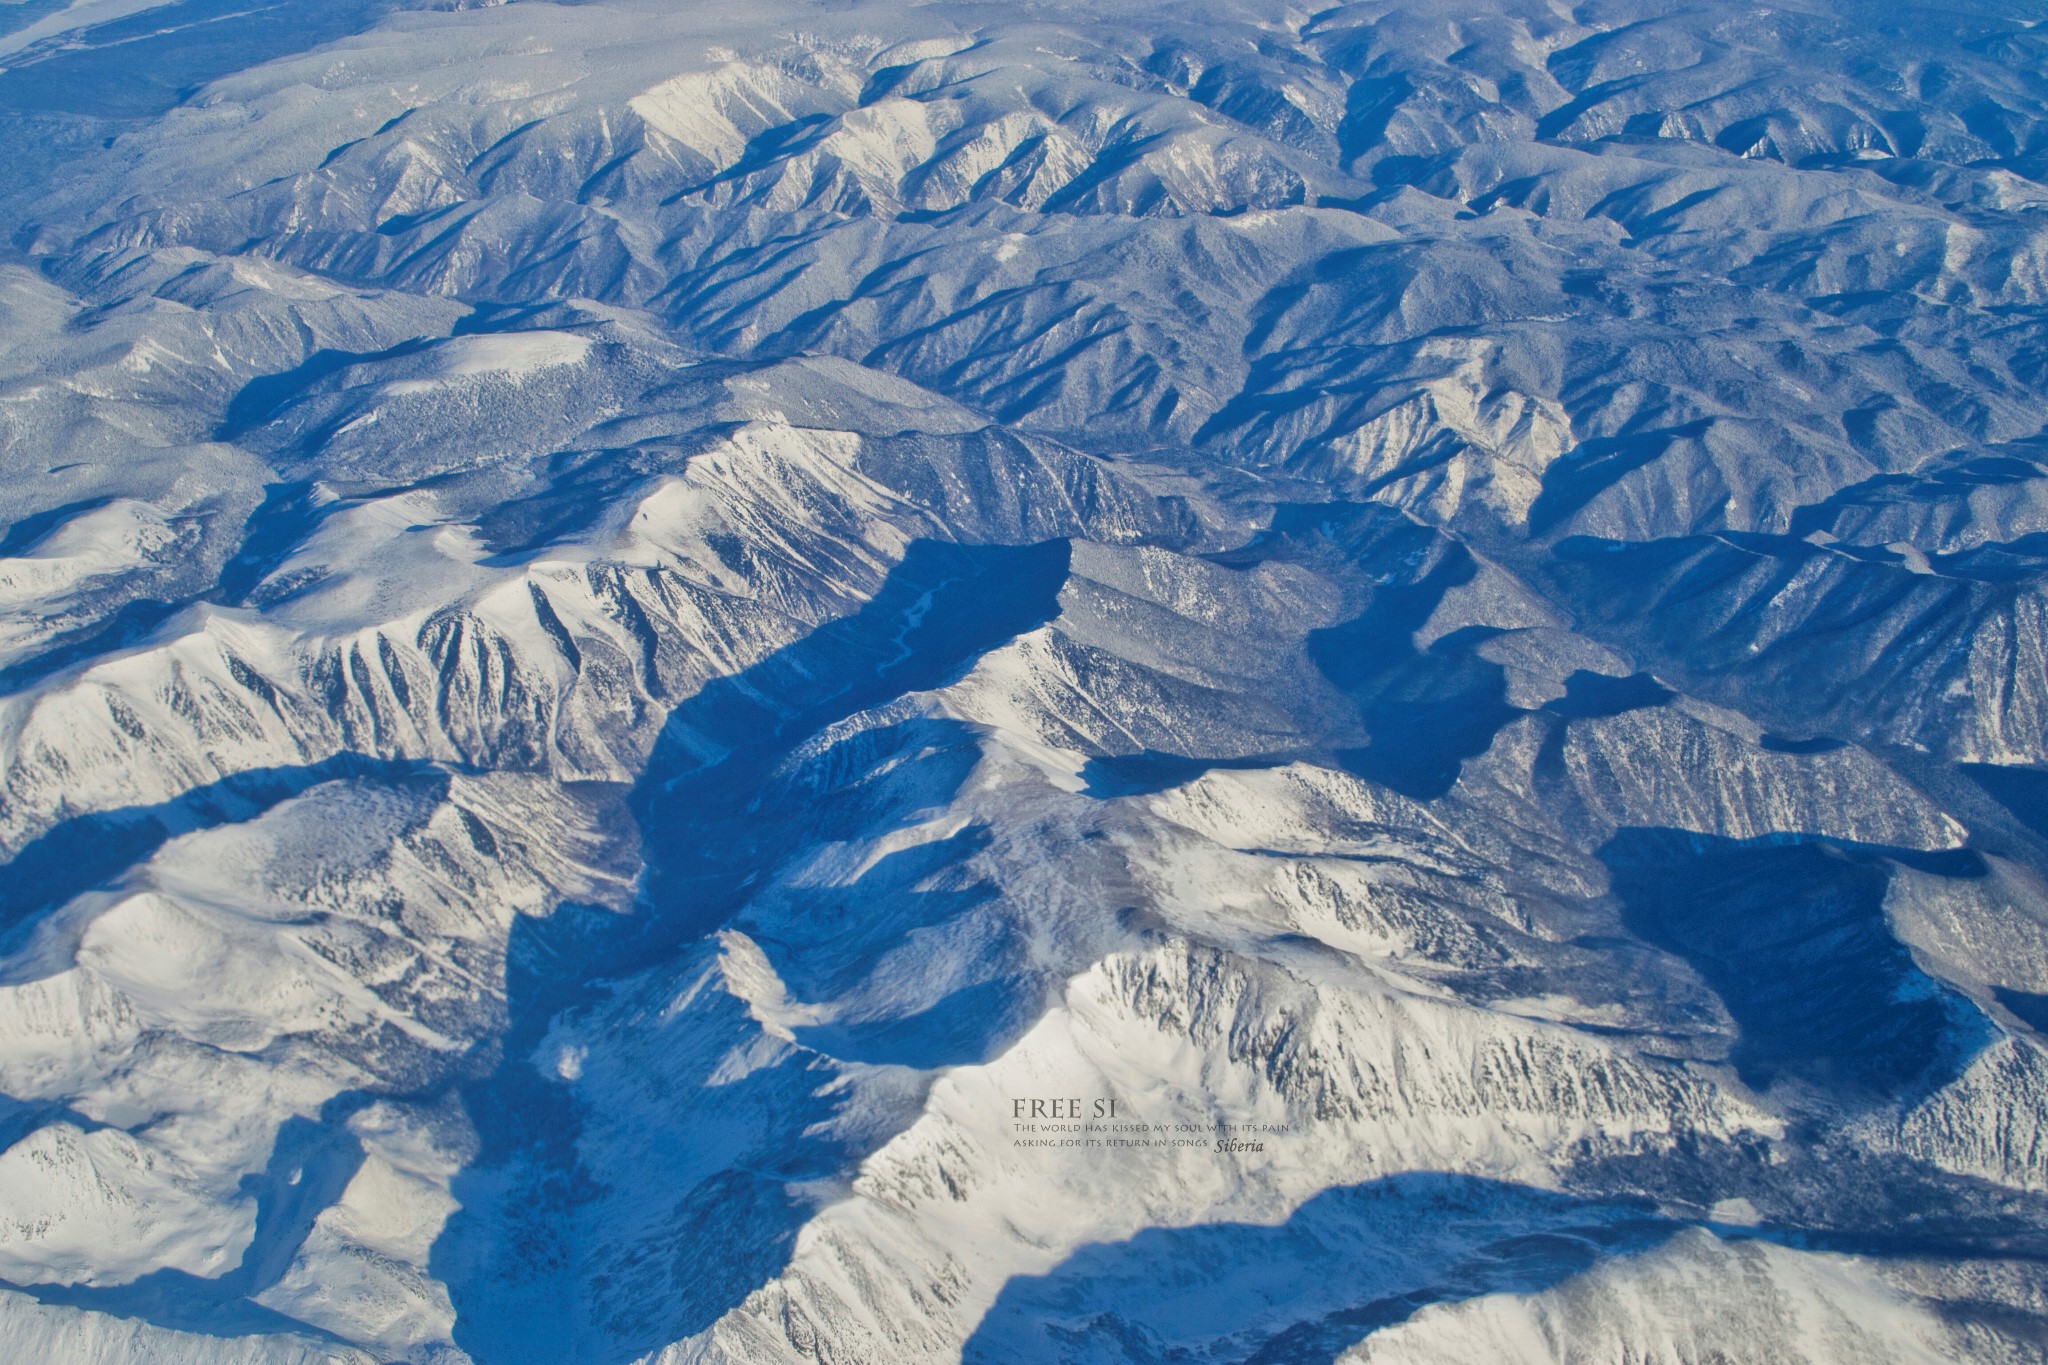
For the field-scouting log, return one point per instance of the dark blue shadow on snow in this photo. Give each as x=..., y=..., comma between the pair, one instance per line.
x=1422, y=711
x=1425, y=711
x=2030, y=1007
x=312, y=1160
x=286, y=516
x=1354, y=1260
x=290, y=513
x=1153, y=771
x=127, y=625
x=704, y=801
x=1588, y=695
x=939, y=610
x=1785, y=744
x=21, y=536
x=1593, y=466
x=964, y=1028
x=87, y=851
x=2023, y=791
x=1350, y=1261
x=19, y=1118
x=717, y=805
x=1791, y=934
x=311, y=1163
x=141, y=64
x=261, y=399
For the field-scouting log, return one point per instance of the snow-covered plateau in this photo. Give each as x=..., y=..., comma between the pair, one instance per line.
x=872, y=682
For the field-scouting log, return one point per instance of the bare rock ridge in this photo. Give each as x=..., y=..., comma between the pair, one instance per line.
x=620, y=622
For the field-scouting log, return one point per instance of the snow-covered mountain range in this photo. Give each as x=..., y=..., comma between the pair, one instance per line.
x=626, y=629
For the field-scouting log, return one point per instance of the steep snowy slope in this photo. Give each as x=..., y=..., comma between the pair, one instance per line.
x=926, y=682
